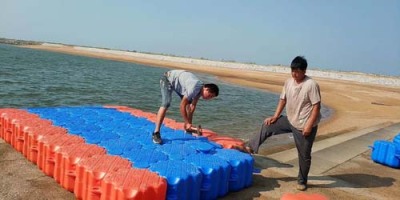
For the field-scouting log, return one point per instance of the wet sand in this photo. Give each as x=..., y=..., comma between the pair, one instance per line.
x=355, y=105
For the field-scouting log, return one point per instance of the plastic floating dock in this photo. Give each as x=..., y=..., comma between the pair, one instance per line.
x=107, y=153
x=387, y=152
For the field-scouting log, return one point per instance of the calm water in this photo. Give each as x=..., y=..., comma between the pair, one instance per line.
x=32, y=78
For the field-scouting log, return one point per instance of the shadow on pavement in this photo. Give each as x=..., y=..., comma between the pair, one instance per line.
x=263, y=162
x=260, y=184
x=353, y=181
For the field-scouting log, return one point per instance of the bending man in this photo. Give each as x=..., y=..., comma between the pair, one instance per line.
x=190, y=89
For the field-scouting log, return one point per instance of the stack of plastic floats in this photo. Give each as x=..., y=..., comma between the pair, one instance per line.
x=387, y=152
x=107, y=153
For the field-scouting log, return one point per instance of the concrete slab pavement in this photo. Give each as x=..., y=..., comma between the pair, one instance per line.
x=342, y=170
x=331, y=152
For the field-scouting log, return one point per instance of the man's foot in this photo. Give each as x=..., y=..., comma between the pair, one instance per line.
x=195, y=131
x=244, y=149
x=301, y=187
x=199, y=131
x=249, y=150
x=157, y=138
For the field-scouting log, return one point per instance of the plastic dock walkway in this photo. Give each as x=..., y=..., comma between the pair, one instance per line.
x=107, y=153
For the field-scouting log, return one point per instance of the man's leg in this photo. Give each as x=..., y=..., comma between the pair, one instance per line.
x=281, y=125
x=304, y=147
x=166, y=91
x=160, y=118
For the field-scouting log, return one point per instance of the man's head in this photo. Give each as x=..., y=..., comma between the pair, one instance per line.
x=298, y=67
x=210, y=91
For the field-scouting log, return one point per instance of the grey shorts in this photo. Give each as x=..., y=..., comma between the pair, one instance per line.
x=166, y=91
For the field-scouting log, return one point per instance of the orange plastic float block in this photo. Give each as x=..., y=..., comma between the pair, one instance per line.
x=5, y=118
x=38, y=134
x=91, y=171
x=9, y=134
x=65, y=151
x=150, y=116
x=129, y=184
x=136, y=112
x=68, y=157
x=133, y=111
x=208, y=133
x=120, y=108
x=16, y=125
x=11, y=113
x=170, y=123
x=6, y=114
x=31, y=131
x=3, y=122
x=227, y=142
x=9, y=130
x=48, y=146
x=303, y=196
x=8, y=118
x=9, y=127
x=21, y=135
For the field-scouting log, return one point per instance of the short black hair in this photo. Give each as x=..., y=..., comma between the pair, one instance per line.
x=212, y=88
x=299, y=63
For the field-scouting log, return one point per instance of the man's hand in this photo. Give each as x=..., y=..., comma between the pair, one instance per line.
x=307, y=131
x=314, y=115
x=270, y=120
x=187, y=126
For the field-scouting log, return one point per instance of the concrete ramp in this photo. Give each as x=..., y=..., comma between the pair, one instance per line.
x=332, y=152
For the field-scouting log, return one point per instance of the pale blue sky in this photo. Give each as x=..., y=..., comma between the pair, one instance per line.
x=354, y=35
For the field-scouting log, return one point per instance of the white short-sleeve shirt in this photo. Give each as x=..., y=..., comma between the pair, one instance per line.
x=300, y=99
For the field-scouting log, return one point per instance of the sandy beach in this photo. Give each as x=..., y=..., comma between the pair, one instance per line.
x=357, y=100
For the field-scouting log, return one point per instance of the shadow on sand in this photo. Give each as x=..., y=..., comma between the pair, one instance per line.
x=352, y=181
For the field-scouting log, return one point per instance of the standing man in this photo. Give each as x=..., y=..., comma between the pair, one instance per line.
x=302, y=98
x=190, y=89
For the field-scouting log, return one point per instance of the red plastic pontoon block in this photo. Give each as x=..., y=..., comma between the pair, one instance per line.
x=129, y=184
x=66, y=159
x=91, y=171
x=49, y=145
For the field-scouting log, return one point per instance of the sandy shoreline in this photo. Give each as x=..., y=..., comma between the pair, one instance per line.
x=367, y=101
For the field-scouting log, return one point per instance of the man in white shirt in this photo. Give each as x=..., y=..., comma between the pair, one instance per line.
x=302, y=98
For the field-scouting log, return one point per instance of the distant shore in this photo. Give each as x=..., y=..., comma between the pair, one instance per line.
x=358, y=100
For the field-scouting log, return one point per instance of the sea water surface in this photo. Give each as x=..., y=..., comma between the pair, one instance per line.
x=33, y=78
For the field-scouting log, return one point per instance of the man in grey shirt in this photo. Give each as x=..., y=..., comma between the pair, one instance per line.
x=302, y=98
x=190, y=89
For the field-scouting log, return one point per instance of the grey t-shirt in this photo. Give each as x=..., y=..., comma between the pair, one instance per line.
x=300, y=99
x=185, y=83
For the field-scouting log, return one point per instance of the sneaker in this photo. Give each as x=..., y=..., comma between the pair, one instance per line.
x=301, y=186
x=156, y=138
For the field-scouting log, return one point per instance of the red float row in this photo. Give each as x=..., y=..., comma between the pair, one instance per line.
x=78, y=167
